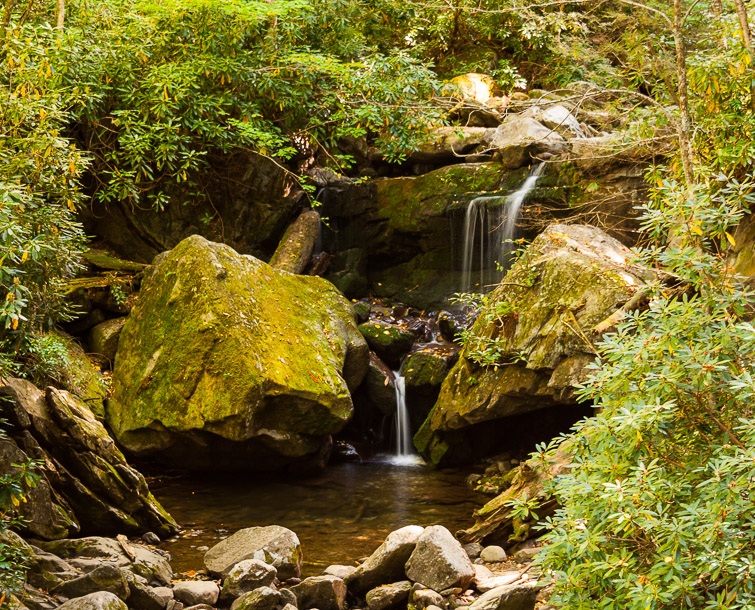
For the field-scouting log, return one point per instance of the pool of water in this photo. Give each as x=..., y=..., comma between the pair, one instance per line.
x=339, y=516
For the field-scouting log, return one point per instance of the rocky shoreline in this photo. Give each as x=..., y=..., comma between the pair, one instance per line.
x=259, y=568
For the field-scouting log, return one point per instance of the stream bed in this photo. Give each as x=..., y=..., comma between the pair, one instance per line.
x=339, y=516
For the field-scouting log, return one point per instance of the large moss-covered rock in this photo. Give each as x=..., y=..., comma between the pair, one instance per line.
x=226, y=362
x=543, y=319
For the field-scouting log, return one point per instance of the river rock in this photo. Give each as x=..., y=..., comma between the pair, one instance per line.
x=264, y=598
x=340, y=571
x=493, y=554
x=473, y=550
x=90, y=485
x=226, y=362
x=144, y=597
x=193, y=592
x=102, y=600
x=389, y=341
x=103, y=338
x=246, y=576
x=103, y=578
x=388, y=596
x=274, y=545
x=573, y=278
x=424, y=372
x=520, y=139
x=45, y=570
x=322, y=592
x=439, y=561
x=519, y=596
x=386, y=564
x=422, y=597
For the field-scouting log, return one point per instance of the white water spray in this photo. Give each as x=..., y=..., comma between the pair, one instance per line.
x=404, y=453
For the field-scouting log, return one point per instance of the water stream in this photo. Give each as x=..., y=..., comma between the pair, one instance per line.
x=491, y=246
x=403, y=454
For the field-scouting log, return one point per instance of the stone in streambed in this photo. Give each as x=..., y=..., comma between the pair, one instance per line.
x=386, y=564
x=439, y=561
x=519, y=596
x=193, y=592
x=389, y=341
x=339, y=570
x=102, y=600
x=322, y=592
x=275, y=545
x=264, y=598
x=104, y=578
x=388, y=596
x=493, y=554
x=246, y=576
x=422, y=597
x=144, y=597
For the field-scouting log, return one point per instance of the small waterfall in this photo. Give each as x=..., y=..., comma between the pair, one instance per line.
x=497, y=217
x=403, y=454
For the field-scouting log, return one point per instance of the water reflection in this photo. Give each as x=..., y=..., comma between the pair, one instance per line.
x=339, y=516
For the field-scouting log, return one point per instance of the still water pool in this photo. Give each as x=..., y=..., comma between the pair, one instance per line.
x=339, y=516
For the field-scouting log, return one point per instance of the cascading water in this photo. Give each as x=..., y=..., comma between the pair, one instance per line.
x=403, y=453
x=497, y=217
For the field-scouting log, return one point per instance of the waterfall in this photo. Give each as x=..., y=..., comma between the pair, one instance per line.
x=496, y=217
x=403, y=454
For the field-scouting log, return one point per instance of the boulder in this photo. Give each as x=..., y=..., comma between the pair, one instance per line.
x=439, y=561
x=521, y=139
x=572, y=279
x=388, y=596
x=144, y=597
x=339, y=570
x=274, y=545
x=228, y=363
x=246, y=576
x=379, y=385
x=389, y=341
x=103, y=338
x=322, y=592
x=424, y=372
x=90, y=484
x=264, y=598
x=519, y=596
x=493, y=554
x=102, y=600
x=421, y=597
x=478, y=87
x=557, y=118
x=386, y=564
x=193, y=592
x=446, y=144
x=103, y=578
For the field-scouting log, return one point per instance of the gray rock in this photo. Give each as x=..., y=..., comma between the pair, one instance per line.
x=439, y=561
x=386, y=564
x=101, y=600
x=246, y=576
x=526, y=555
x=144, y=597
x=473, y=549
x=557, y=118
x=151, y=538
x=275, y=545
x=264, y=598
x=47, y=571
x=289, y=607
x=519, y=139
x=199, y=607
x=519, y=596
x=288, y=597
x=425, y=598
x=493, y=554
x=103, y=338
x=340, y=571
x=104, y=578
x=193, y=592
x=388, y=596
x=322, y=592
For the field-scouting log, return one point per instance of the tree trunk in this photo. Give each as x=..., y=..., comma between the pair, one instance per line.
x=298, y=242
x=684, y=128
x=61, y=14
x=744, y=26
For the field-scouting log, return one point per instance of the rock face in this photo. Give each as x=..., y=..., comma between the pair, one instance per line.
x=275, y=545
x=573, y=278
x=386, y=564
x=228, y=363
x=87, y=484
x=439, y=561
x=520, y=139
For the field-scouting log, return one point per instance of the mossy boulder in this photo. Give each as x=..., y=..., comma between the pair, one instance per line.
x=103, y=338
x=424, y=372
x=542, y=320
x=227, y=363
x=389, y=341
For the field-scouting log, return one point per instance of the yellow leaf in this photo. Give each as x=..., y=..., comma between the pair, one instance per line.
x=24, y=256
x=730, y=238
x=15, y=501
x=695, y=228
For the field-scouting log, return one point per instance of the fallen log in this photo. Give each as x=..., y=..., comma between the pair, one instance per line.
x=298, y=242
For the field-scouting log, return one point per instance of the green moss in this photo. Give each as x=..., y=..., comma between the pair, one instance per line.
x=80, y=376
x=106, y=260
x=424, y=370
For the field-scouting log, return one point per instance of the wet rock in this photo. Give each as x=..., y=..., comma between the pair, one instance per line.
x=519, y=596
x=101, y=600
x=348, y=273
x=345, y=452
x=199, y=607
x=386, y=564
x=519, y=140
x=493, y=554
x=193, y=592
x=388, y=596
x=389, y=341
x=424, y=372
x=151, y=538
x=246, y=576
x=103, y=578
x=451, y=325
x=103, y=338
x=439, y=561
x=322, y=592
x=473, y=549
x=275, y=545
x=256, y=375
x=340, y=571
x=263, y=598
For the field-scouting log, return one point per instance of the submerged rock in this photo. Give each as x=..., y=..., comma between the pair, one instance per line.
x=439, y=561
x=228, y=363
x=275, y=545
x=572, y=279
